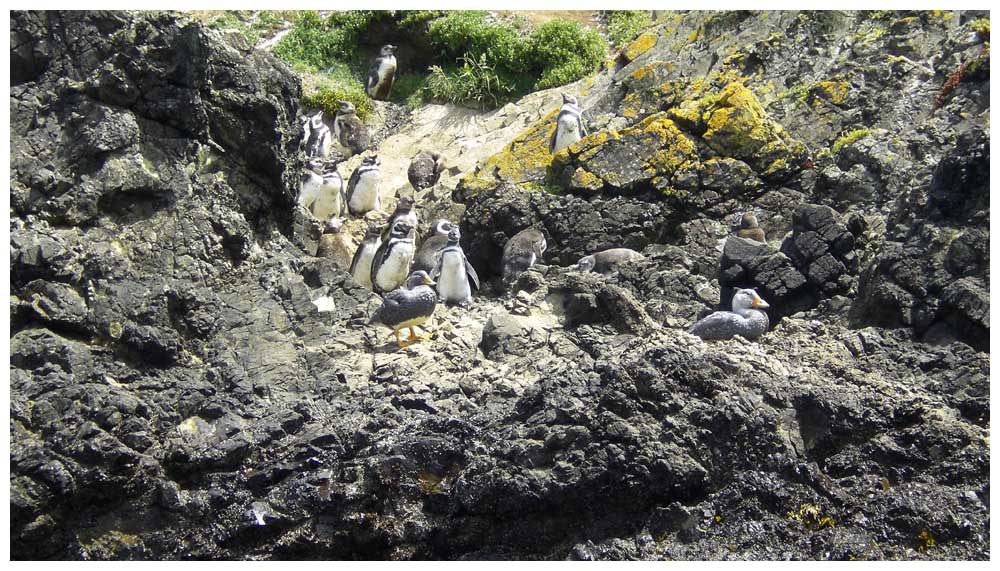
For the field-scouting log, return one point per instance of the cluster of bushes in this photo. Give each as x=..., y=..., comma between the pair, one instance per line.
x=626, y=25
x=470, y=58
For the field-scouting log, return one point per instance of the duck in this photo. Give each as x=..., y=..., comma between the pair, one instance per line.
x=407, y=306
x=745, y=319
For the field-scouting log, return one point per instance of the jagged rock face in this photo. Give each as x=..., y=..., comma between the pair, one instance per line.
x=188, y=382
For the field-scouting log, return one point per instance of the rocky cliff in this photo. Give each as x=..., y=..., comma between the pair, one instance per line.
x=189, y=381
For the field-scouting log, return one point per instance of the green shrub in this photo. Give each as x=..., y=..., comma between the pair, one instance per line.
x=321, y=42
x=407, y=89
x=322, y=90
x=564, y=51
x=626, y=25
x=468, y=34
x=476, y=82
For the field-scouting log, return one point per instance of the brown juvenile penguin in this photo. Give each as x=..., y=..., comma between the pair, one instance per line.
x=749, y=228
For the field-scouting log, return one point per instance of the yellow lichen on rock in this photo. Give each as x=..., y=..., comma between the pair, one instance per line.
x=833, y=91
x=736, y=125
x=583, y=179
x=641, y=45
x=524, y=159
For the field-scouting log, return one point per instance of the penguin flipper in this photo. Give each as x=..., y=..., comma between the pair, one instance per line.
x=357, y=257
x=583, y=127
x=352, y=184
x=372, y=79
x=471, y=272
x=552, y=139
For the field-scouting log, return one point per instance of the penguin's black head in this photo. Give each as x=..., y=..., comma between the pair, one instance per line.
x=373, y=232
x=387, y=50
x=442, y=227
x=345, y=107
x=315, y=164
x=567, y=98
x=369, y=161
x=454, y=235
x=405, y=204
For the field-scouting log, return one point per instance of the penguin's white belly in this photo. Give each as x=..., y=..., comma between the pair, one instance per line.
x=327, y=204
x=365, y=195
x=395, y=268
x=453, y=283
x=363, y=271
x=567, y=132
x=309, y=191
x=385, y=68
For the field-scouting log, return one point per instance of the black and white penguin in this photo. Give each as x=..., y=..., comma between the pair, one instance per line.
x=453, y=272
x=569, y=125
x=521, y=252
x=330, y=200
x=425, y=170
x=310, y=183
x=430, y=248
x=745, y=319
x=393, y=258
x=318, y=139
x=361, y=264
x=382, y=74
x=403, y=212
x=362, y=188
x=349, y=130
x=749, y=228
x=407, y=307
x=606, y=260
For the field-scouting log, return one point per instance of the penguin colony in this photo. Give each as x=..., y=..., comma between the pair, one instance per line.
x=412, y=279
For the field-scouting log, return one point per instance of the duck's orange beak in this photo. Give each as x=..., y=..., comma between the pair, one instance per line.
x=429, y=281
x=759, y=303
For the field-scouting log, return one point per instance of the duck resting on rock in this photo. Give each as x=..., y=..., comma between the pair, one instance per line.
x=407, y=306
x=745, y=319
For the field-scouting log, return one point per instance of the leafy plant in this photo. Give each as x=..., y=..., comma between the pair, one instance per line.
x=322, y=90
x=476, y=82
x=626, y=25
x=564, y=51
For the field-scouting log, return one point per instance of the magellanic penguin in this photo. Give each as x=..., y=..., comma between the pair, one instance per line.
x=453, y=272
x=569, y=125
x=425, y=170
x=362, y=189
x=407, y=307
x=310, y=183
x=520, y=253
x=318, y=138
x=330, y=200
x=745, y=319
x=361, y=264
x=749, y=228
x=605, y=261
x=382, y=74
x=404, y=212
x=349, y=130
x=430, y=249
x=393, y=258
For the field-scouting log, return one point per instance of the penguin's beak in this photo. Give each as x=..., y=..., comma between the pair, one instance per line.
x=759, y=303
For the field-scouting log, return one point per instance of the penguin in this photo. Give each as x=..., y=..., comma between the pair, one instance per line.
x=745, y=319
x=318, y=139
x=392, y=260
x=750, y=229
x=330, y=200
x=382, y=74
x=606, y=260
x=404, y=211
x=310, y=183
x=520, y=253
x=453, y=272
x=407, y=307
x=335, y=244
x=349, y=130
x=569, y=125
x=361, y=263
x=362, y=188
x=430, y=249
x=425, y=170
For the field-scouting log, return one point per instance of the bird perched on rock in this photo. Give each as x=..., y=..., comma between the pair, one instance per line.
x=569, y=125
x=382, y=74
x=362, y=189
x=329, y=199
x=404, y=211
x=317, y=137
x=749, y=228
x=606, y=260
x=453, y=272
x=745, y=319
x=425, y=170
x=361, y=263
x=430, y=249
x=348, y=128
x=335, y=244
x=520, y=253
x=407, y=307
x=393, y=258
x=310, y=183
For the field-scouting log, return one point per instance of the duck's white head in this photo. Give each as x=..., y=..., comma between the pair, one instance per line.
x=746, y=299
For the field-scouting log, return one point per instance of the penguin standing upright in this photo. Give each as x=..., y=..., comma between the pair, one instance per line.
x=362, y=188
x=310, y=183
x=521, y=252
x=453, y=272
x=425, y=170
x=361, y=263
x=569, y=125
x=430, y=249
x=318, y=139
x=330, y=201
x=382, y=74
x=349, y=130
x=392, y=261
x=404, y=211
